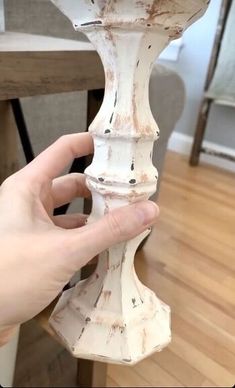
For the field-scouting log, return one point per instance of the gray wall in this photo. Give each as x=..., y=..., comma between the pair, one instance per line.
x=192, y=67
x=38, y=17
x=2, y=24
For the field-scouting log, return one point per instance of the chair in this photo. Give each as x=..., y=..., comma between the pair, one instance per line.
x=220, y=83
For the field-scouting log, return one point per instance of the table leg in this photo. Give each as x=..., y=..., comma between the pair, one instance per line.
x=91, y=374
x=8, y=141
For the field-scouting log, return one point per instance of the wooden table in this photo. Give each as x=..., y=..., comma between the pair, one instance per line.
x=33, y=65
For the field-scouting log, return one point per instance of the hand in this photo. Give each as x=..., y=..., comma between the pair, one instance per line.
x=39, y=252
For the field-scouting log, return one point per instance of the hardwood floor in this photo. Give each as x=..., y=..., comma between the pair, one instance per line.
x=189, y=261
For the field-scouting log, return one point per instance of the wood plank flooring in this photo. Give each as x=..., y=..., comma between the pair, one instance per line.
x=189, y=261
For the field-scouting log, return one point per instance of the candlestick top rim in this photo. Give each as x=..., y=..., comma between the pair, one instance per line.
x=166, y=15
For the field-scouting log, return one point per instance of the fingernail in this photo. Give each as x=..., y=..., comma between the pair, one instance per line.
x=147, y=212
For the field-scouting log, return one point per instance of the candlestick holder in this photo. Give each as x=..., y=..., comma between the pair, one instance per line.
x=112, y=316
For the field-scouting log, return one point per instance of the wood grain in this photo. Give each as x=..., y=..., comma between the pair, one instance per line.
x=39, y=69
x=189, y=262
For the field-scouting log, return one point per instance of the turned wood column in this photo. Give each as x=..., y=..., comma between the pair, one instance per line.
x=112, y=316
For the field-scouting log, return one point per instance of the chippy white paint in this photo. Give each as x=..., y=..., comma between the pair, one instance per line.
x=112, y=316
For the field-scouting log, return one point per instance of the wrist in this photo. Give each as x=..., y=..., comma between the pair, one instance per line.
x=6, y=334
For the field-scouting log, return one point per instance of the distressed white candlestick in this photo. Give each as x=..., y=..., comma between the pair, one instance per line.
x=112, y=316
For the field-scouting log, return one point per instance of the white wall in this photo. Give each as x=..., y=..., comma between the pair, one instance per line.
x=192, y=66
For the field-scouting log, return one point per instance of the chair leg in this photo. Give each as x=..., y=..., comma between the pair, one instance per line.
x=78, y=165
x=22, y=129
x=200, y=132
x=8, y=142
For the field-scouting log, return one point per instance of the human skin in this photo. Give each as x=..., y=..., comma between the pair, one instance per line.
x=39, y=252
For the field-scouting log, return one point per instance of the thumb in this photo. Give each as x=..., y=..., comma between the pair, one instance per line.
x=118, y=225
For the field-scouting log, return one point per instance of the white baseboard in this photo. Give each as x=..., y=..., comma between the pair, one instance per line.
x=183, y=143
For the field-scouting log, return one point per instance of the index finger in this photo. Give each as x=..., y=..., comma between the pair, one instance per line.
x=51, y=162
